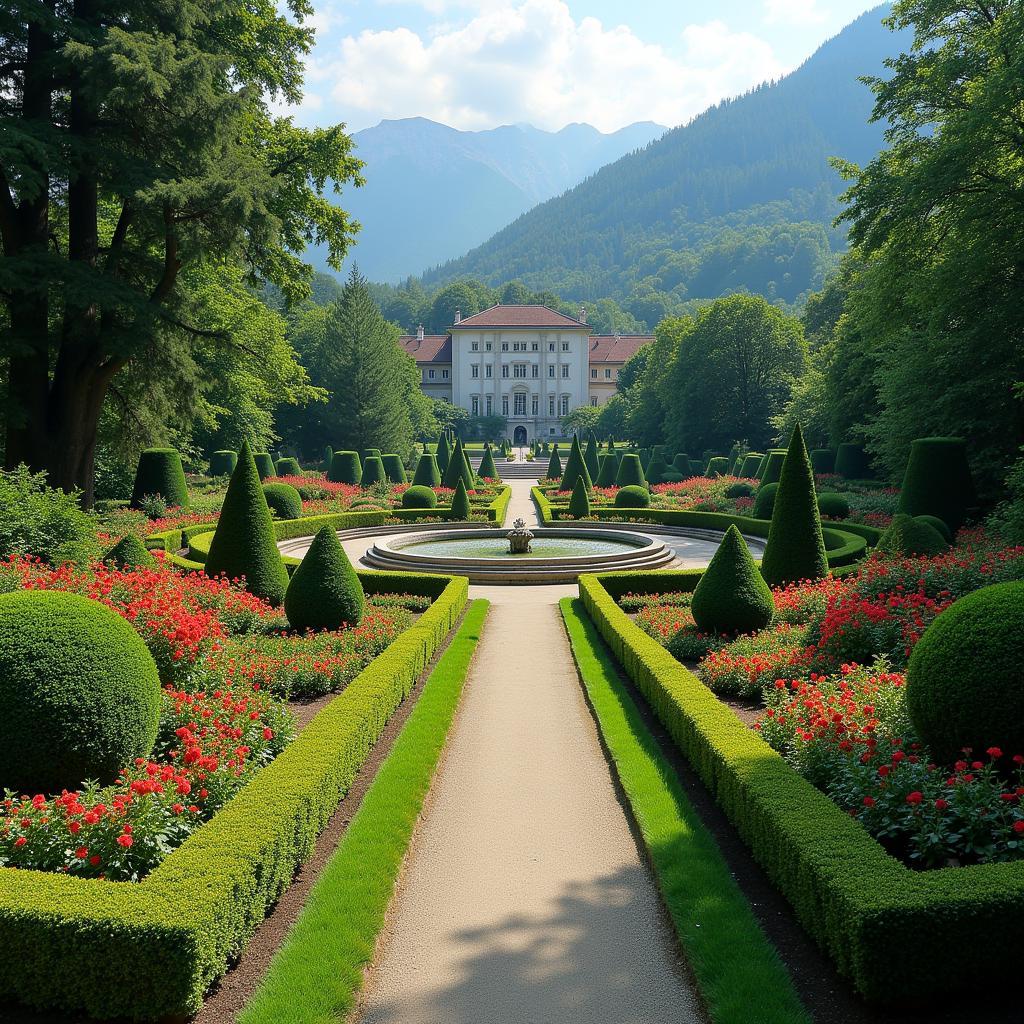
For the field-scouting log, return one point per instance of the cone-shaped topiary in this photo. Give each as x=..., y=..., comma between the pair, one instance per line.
x=283, y=500
x=394, y=469
x=681, y=464
x=554, y=465
x=324, y=592
x=460, y=501
x=631, y=473
x=458, y=468
x=488, y=469
x=346, y=468
x=655, y=470
x=823, y=460
x=373, y=471
x=444, y=454
x=852, y=462
x=632, y=496
x=906, y=535
x=608, y=466
x=937, y=524
x=590, y=456
x=795, y=549
x=264, y=464
x=579, y=501
x=964, y=683
x=244, y=544
x=833, y=505
x=222, y=463
x=419, y=496
x=427, y=473
x=717, y=466
x=764, y=501
x=771, y=468
x=575, y=467
x=79, y=692
x=732, y=596
x=937, y=481
x=159, y=472
x=749, y=465
x=130, y=553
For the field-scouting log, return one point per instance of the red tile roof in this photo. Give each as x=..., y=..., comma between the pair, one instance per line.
x=434, y=348
x=616, y=348
x=519, y=316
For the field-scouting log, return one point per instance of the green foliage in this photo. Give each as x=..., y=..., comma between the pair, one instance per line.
x=346, y=468
x=717, y=466
x=795, y=549
x=554, y=471
x=427, y=473
x=852, y=461
x=579, y=501
x=575, y=467
x=823, y=460
x=937, y=481
x=222, y=463
x=771, y=466
x=938, y=525
x=458, y=468
x=764, y=502
x=324, y=591
x=732, y=597
x=632, y=495
x=630, y=472
x=130, y=553
x=656, y=467
x=590, y=455
x=43, y=521
x=681, y=463
x=460, y=502
x=283, y=500
x=739, y=490
x=371, y=453
x=488, y=470
x=906, y=535
x=373, y=471
x=79, y=692
x=444, y=454
x=608, y=466
x=394, y=469
x=264, y=464
x=964, y=684
x=288, y=467
x=749, y=466
x=833, y=504
x=244, y=543
x=159, y=472
x=419, y=496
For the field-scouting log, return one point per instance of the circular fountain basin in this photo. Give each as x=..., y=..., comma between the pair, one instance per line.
x=558, y=554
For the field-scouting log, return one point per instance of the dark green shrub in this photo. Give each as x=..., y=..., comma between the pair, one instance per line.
x=579, y=501
x=749, y=465
x=906, y=535
x=718, y=466
x=852, y=462
x=371, y=453
x=458, y=468
x=630, y=473
x=130, y=553
x=346, y=468
x=656, y=468
x=419, y=496
x=965, y=687
x=427, y=474
x=772, y=466
x=732, y=596
x=460, y=502
x=324, y=591
x=764, y=502
x=575, y=467
x=554, y=465
x=328, y=458
x=488, y=469
x=939, y=526
x=823, y=460
x=264, y=464
x=288, y=467
x=159, y=472
x=590, y=456
x=444, y=454
x=681, y=463
x=394, y=469
x=632, y=495
x=672, y=476
x=79, y=692
x=608, y=466
x=937, y=481
x=283, y=500
x=373, y=471
x=222, y=463
x=739, y=490
x=795, y=549
x=697, y=467
x=833, y=504
x=244, y=544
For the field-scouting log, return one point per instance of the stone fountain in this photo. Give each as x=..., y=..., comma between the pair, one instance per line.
x=519, y=538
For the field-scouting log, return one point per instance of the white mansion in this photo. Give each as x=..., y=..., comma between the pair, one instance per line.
x=530, y=364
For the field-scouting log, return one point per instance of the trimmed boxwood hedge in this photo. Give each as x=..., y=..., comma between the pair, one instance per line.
x=394, y=470
x=373, y=471
x=159, y=472
x=852, y=462
x=288, y=466
x=264, y=464
x=681, y=464
x=630, y=472
x=895, y=932
x=460, y=501
x=748, y=467
x=608, y=466
x=419, y=496
x=937, y=481
x=833, y=504
x=283, y=500
x=148, y=950
x=222, y=463
x=346, y=468
x=632, y=496
x=906, y=535
x=554, y=465
x=575, y=467
x=579, y=501
x=130, y=553
x=771, y=466
x=427, y=473
x=718, y=466
x=823, y=460
x=324, y=591
x=732, y=596
x=764, y=501
x=488, y=469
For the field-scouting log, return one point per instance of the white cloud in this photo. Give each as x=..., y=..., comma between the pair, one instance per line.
x=531, y=61
x=799, y=13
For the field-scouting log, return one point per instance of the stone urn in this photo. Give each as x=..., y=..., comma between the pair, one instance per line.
x=519, y=538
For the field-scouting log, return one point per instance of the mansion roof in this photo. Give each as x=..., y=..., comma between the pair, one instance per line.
x=518, y=316
x=433, y=348
x=604, y=348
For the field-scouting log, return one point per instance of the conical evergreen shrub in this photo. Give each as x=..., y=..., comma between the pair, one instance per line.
x=373, y=471
x=554, y=465
x=795, y=549
x=751, y=461
x=912, y=537
x=458, y=468
x=264, y=464
x=130, y=553
x=460, y=501
x=823, y=460
x=630, y=473
x=345, y=468
x=590, y=456
x=608, y=466
x=579, y=502
x=444, y=454
x=575, y=467
x=288, y=467
x=394, y=469
x=732, y=596
x=159, y=472
x=488, y=469
x=937, y=481
x=852, y=462
x=222, y=463
x=427, y=473
x=324, y=591
x=244, y=543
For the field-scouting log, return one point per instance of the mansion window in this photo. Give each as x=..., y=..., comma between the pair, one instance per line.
x=593, y=373
x=504, y=346
x=504, y=370
x=519, y=370
x=534, y=405
x=564, y=406
x=476, y=405
x=536, y=371
x=607, y=374
x=551, y=405
x=430, y=374
x=519, y=403
x=488, y=371
x=475, y=346
x=490, y=404
x=488, y=346
x=444, y=375
x=565, y=346
x=535, y=347
x=593, y=399
x=551, y=346
x=551, y=371
x=504, y=405
x=565, y=370
x=474, y=371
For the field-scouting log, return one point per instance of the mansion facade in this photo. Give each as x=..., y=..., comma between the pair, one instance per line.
x=530, y=364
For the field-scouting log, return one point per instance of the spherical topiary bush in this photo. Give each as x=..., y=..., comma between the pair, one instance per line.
x=906, y=535
x=283, y=500
x=965, y=687
x=394, y=469
x=748, y=467
x=731, y=596
x=427, y=473
x=373, y=471
x=79, y=692
x=764, y=503
x=159, y=472
x=222, y=463
x=460, y=502
x=579, y=502
x=419, y=496
x=939, y=526
x=718, y=466
x=346, y=468
x=771, y=468
x=632, y=496
x=852, y=462
x=264, y=464
x=823, y=460
x=288, y=467
x=739, y=490
x=833, y=505
x=937, y=480
x=324, y=591
x=130, y=553
x=630, y=473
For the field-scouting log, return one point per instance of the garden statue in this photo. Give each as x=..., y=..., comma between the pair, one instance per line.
x=519, y=538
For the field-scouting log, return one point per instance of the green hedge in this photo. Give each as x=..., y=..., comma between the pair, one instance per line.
x=150, y=949
x=896, y=933
x=159, y=472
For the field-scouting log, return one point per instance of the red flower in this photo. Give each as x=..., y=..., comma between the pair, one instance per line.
x=915, y=798
x=1018, y=827
x=20, y=841
x=941, y=805
x=994, y=752
x=81, y=853
x=869, y=801
x=125, y=840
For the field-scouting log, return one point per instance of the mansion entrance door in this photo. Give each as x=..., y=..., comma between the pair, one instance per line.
x=519, y=438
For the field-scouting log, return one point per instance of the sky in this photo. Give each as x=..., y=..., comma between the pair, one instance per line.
x=477, y=65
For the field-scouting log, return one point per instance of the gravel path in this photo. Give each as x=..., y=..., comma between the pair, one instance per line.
x=524, y=899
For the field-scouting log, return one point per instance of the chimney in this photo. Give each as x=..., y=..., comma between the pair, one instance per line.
x=458, y=315
x=419, y=333
x=583, y=315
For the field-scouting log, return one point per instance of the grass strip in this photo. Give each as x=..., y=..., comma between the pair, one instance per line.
x=318, y=972
x=738, y=971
